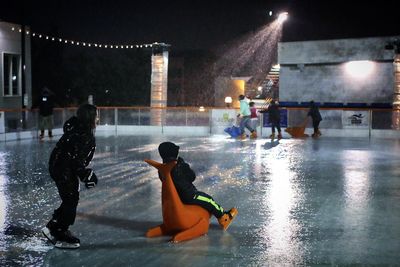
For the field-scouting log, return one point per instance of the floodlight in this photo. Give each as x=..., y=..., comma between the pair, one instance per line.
x=283, y=16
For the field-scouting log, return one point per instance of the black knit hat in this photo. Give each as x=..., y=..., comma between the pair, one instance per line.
x=168, y=151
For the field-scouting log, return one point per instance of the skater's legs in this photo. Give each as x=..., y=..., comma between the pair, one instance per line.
x=316, y=127
x=207, y=202
x=248, y=125
x=245, y=123
x=241, y=125
x=66, y=213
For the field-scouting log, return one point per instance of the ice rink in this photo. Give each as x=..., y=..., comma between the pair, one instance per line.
x=330, y=201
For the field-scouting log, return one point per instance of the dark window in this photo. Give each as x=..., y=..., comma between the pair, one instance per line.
x=11, y=74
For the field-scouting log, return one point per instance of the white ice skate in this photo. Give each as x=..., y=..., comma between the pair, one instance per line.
x=66, y=240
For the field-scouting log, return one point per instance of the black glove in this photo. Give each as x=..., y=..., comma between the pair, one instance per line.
x=91, y=179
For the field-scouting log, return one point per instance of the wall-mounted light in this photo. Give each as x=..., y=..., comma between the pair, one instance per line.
x=228, y=101
x=359, y=69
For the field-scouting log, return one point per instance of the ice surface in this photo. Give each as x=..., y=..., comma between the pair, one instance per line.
x=301, y=202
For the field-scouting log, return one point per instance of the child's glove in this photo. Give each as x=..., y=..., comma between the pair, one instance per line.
x=91, y=179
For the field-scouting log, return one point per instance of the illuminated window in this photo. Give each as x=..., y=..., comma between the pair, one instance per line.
x=11, y=74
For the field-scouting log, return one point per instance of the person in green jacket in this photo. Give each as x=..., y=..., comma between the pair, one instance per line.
x=245, y=121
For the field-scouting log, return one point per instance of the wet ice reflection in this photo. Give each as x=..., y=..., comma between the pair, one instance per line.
x=357, y=178
x=281, y=228
x=357, y=197
x=3, y=199
x=301, y=202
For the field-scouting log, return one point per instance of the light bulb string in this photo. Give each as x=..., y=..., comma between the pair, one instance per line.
x=87, y=44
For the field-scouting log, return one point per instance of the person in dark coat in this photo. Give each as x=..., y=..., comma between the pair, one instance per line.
x=67, y=165
x=316, y=118
x=183, y=177
x=46, y=105
x=274, y=117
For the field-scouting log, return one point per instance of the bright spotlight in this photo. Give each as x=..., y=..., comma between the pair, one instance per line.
x=283, y=16
x=360, y=69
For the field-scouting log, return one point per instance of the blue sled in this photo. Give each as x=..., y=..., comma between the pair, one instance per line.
x=233, y=131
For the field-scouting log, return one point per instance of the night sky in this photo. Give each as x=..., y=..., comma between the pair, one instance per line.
x=198, y=31
x=201, y=24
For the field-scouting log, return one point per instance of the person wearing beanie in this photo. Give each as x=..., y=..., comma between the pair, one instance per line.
x=183, y=177
x=67, y=166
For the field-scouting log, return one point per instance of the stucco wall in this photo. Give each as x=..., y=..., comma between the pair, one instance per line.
x=224, y=87
x=315, y=70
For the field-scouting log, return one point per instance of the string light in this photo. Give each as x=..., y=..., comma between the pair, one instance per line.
x=79, y=43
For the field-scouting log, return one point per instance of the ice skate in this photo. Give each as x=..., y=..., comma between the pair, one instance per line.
x=59, y=238
x=242, y=136
x=47, y=231
x=41, y=135
x=272, y=136
x=279, y=136
x=48, y=235
x=67, y=240
x=253, y=135
x=227, y=218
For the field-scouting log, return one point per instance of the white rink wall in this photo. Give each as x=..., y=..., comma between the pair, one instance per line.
x=192, y=122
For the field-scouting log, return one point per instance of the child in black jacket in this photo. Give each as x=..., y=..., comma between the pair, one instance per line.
x=183, y=177
x=67, y=165
x=274, y=117
x=316, y=118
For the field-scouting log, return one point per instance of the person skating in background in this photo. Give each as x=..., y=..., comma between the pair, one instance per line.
x=245, y=120
x=67, y=165
x=46, y=105
x=253, y=115
x=274, y=118
x=183, y=177
x=316, y=118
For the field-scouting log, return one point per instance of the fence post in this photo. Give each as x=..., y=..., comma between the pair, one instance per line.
x=64, y=115
x=370, y=124
x=186, y=115
x=210, y=120
x=163, y=112
x=116, y=120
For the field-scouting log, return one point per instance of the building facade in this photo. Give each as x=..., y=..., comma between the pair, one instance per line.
x=337, y=71
x=15, y=64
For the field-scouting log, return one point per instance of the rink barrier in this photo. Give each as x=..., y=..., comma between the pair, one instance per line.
x=16, y=124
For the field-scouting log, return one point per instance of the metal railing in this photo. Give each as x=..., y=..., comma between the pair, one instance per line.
x=14, y=121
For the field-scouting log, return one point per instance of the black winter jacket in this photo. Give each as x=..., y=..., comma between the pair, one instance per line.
x=183, y=177
x=46, y=105
x=314, y=113
x=73, y=152
x=274, y=115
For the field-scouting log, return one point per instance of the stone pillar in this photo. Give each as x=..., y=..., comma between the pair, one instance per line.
x=396, y=93
x=159, y=83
